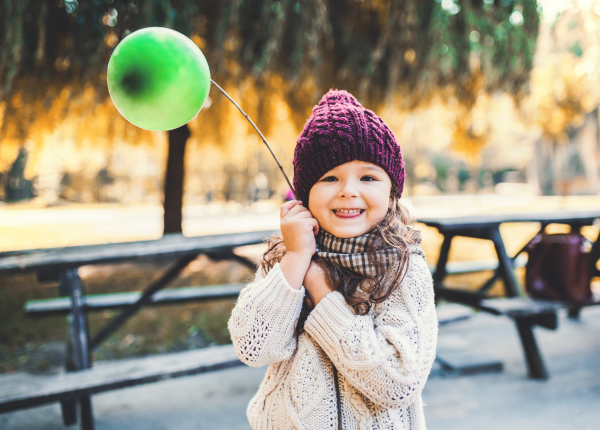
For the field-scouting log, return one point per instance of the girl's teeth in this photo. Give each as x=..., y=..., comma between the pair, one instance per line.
x=346, y=211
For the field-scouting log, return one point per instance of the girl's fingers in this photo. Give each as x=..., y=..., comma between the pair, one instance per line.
x=315, y=225
x=287, y=206
x=294, y=208
x=300, y=214
x=295, y=211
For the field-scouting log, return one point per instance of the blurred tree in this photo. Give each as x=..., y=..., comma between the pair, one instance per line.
x=17, y=187
x=565, y=89
x=563, y=93
x=401, y=51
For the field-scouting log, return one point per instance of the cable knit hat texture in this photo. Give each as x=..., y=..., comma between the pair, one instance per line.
x=341, y=130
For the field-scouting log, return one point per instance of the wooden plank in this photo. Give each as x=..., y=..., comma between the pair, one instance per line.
x=106, y=376
x=468, y=362
x=460, y=267
x=169, y=246
x=451, y=223
x=99, y=302
x=516, y=307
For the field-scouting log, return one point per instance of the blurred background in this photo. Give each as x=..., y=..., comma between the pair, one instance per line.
x=487, y=96
x=494, y=103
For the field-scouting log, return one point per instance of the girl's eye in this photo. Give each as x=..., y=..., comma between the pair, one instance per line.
x=329, y=179
x=368, y=178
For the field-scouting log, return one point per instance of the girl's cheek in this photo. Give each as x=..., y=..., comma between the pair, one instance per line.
x=318, y=215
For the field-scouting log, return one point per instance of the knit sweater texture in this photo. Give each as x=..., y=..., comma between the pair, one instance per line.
x=383, y=358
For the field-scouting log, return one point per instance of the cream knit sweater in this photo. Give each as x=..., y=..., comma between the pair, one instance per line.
x=383, y=358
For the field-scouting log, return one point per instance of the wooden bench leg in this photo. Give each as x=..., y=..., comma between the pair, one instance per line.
x=505, y=265
x=79, y=357
x=440, y=270
x=535, y=363
x=69, y=412
x=87, y=415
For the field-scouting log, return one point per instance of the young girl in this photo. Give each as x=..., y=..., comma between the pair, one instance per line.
x=342, y=307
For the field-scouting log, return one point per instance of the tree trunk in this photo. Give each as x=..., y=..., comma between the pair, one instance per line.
x=173, y=201
x=475, y=173
x=544, y=159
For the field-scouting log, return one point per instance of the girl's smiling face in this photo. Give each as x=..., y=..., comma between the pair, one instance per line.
x=351, y=199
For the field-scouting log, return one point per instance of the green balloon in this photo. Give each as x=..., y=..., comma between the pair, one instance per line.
x=158, y=78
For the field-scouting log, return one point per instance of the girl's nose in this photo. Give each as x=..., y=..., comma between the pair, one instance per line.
x=348, y=190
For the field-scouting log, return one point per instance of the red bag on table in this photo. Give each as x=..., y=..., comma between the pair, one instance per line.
x=559, y=268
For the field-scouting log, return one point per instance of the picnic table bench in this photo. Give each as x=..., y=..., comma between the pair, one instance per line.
x=526, y=313
x=71, y=386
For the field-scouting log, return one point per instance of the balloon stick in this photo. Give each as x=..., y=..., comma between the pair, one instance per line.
x=262, y=137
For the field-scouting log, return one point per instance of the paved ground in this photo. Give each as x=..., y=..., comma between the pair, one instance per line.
x=508, y=400
x=493, y=401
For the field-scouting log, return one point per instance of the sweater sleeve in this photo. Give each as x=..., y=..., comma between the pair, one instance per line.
x=386, y=356
x=263, y=319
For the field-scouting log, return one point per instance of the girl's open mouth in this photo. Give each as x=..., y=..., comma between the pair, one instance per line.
x=348, y=213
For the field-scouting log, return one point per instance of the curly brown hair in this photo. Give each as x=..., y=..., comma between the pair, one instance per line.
x=360, y=291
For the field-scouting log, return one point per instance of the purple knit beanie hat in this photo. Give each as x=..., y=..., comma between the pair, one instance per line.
x=340, y=130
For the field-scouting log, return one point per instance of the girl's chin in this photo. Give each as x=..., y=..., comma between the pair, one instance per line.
x=345, y=232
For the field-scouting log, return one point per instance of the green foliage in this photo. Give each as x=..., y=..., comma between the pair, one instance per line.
x=376, y=49
x=576, y=49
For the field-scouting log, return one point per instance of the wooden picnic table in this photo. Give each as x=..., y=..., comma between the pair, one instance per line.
x=62, y=264
x=488, y=227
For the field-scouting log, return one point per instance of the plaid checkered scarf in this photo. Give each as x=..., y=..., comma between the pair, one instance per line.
x=351, y=253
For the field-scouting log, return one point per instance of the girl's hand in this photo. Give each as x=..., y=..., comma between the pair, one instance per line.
x=298, y=228
x=315, y=283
